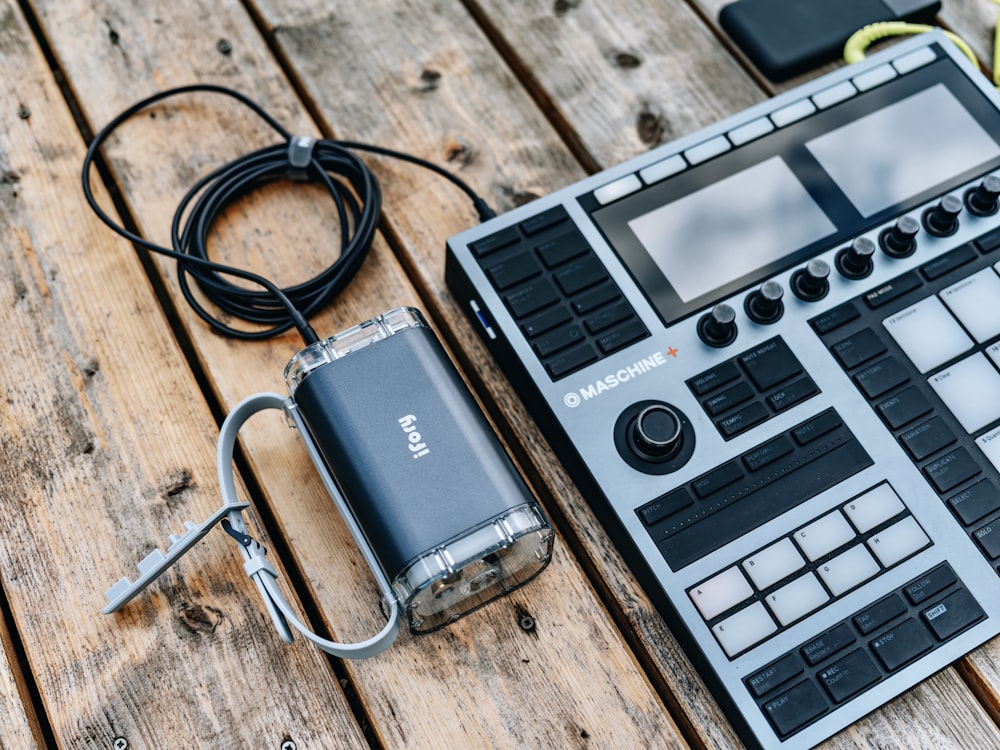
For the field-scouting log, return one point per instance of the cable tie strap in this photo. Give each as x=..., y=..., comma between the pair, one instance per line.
x=300, y=151
x=258, y=563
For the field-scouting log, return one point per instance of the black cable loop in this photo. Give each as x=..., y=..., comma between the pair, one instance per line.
x=352, y=187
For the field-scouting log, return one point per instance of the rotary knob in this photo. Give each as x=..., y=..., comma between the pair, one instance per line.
x=812, y=282
x=942, y=219
x=855, y=262
x=984, y=199
x=900, y=241
x=656, y=433
x=718, y=327
x=764, y=305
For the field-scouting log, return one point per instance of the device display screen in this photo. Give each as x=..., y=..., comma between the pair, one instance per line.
x=756, y=210
x=699, y=248
x=903, y=149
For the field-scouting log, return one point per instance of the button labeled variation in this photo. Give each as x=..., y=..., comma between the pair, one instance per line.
x=928, y=334
x=721, y=592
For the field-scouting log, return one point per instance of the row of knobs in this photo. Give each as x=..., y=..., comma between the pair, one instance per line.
x=810, y=284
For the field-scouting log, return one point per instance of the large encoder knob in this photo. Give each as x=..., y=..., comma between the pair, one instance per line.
x=855, y=261
x=656, y=432
x=982, y=200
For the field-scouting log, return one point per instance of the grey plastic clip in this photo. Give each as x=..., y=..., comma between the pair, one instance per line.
x=156, y=562
x=300, y=150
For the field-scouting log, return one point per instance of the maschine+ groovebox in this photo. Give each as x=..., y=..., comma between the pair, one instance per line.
x=769, y=354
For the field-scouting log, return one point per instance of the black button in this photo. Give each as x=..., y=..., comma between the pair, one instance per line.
x=955, y=613
x=712, y=379
x=926, y=586
x=949, y=471
x=767, y=453
x=879, y=614
x=792, y=394
x=774, y=676
x=859, y=348
x=835, y=318
x=545, y=321
x=580, y=275
x=881, y=377
x=817, y=427
x=742, y=420
x=621, y=336
x=902, y=644
x=563, y=364
x=795, y=708
x=892, y=289
x=977, y=501
x=948, y=262
x=593, y=299
x=531, y=297
x=514, y=270
x=827, y=644
x=563, y=248
x=728, y=399
x=989, y=241
x=988, y=537
x=770, y=363
x=544, y=220
x=667, y=505
x=716, y=479
x=849, y=676
x=557, y=340
x=494, y=242
x=608, y=317
x=904, y=407
x=927, y=438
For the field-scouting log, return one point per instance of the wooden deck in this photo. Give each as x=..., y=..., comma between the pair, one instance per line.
x=114, y=389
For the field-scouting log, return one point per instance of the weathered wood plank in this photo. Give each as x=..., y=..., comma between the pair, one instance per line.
x=484, y=681
x=309, y=38
x=19, y=728
x=107, y=447
x=510, y=154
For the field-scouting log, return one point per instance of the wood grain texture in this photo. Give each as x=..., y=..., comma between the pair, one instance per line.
x=625, y=76
x=19, y=728
x=107, y=448
x=538, y=37
x=485, y=681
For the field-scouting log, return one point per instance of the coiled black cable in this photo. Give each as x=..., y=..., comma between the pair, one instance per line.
x=353, y=188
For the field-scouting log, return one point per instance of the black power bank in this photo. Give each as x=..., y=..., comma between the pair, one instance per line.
x=786, y=37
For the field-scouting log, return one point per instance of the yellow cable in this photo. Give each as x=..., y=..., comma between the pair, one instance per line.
x=854, y=49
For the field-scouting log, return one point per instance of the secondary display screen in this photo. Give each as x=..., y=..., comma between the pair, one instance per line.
x=721, y=226
x=699, y=248
x=903, y=150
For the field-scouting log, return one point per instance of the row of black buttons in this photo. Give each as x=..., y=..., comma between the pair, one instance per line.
x=752, y=488
x=906, y=404
x=565, y=302
x=835, y=667
x=748, y=389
